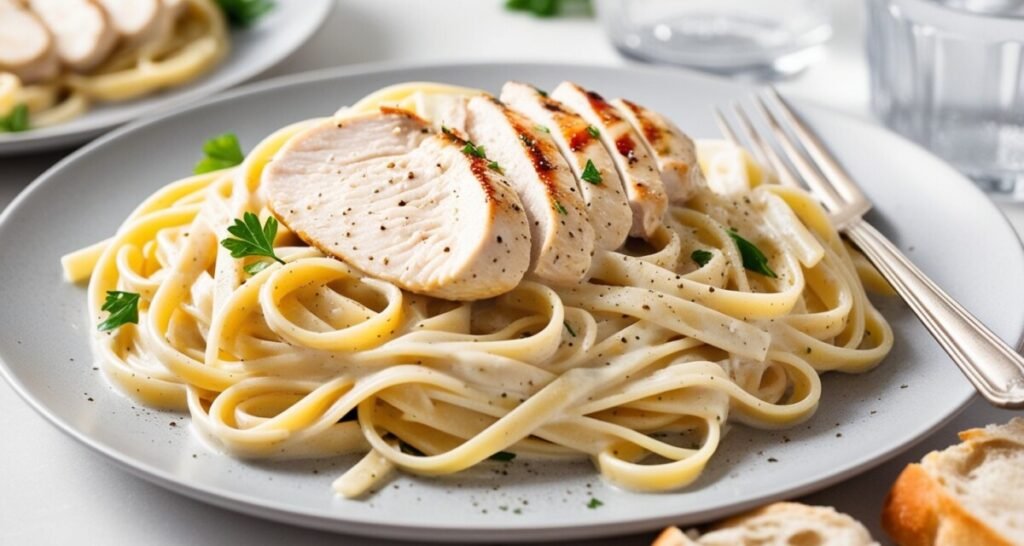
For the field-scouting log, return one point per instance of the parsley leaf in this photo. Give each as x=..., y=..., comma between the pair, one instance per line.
x=569, y=328
x=251, y=239
x=123, y=308
x=493, y=165
x=560, y=209
x=256, y=267
x=244, y=13
x=592, y=131
x=594, y=503
x=540, y=91
x=222, y=152
x=702, y=257
x=591, y=174
x=503, y=456
x=16, y=121
x=542, y=129
x=753, y=258
x=474, y=150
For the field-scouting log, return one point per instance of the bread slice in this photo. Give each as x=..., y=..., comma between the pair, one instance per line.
x=779, y=524
x=971, y=493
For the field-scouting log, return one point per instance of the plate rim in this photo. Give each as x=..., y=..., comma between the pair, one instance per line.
x=468, y=531
x=179, y=97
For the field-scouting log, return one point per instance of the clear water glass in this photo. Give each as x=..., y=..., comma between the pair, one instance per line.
x=759, y=37
x=949, y=74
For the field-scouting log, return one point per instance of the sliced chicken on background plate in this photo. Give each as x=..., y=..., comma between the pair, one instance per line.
x=26, y=49
x=83, y=32
x=389, y=196
x=640, y=176
x=563, y=240
x=674, y=152
x=595, y=173
x=137, y=20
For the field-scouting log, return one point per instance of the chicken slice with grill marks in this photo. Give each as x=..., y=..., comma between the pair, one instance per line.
x=26, y=48
x=674, y=152
x=596, y=177
x=563, y=240
x=640, y=177
x=388, y=195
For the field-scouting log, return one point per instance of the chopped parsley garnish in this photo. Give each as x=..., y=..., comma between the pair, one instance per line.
x=753, y=258
x=244, y=13
x=560, y=208
x=474, y=150
x=16, y=121
x=542, y=128
x=526, y=140
x=222, y=152
x=702, y=257
x=493, y=165
x=592, y=131
x=591, y=174
x=123, y=308
x=540, y=91
x=569, y=328
x=447, y=131
x=594, y=503
x=545, y=8
x=251, y=239
x=503, y=456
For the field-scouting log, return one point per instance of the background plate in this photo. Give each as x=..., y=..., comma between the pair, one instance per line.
x=946, y=225
x=253, y=50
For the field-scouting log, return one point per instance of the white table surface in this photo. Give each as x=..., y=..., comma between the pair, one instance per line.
x=54, y=491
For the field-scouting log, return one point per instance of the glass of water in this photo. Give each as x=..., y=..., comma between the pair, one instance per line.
x=949, y=74
x=756, y=37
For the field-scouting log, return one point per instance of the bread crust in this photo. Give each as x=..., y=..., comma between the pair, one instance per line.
x=919, y=512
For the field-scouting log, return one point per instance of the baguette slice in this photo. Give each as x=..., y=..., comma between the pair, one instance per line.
x=779, y=524
x=971, y=493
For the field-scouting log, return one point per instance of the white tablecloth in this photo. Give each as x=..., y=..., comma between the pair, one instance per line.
x=54, y=491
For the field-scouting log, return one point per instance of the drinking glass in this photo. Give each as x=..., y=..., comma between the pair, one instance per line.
x=759, y=37
x=949, y=74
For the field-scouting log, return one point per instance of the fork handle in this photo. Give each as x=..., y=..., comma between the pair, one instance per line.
x=992, y=366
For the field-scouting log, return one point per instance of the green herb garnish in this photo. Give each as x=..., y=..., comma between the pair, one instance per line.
x=594, y=503
x=753, y=258
x=526, y=140
x=222, y=152
x=493, y=165
x=16, y=121
x=542, y=129
x=540, y=91
x=474, y=150
x=545, y=8
x=251, y=239
x=123, y=308
x=592, y=131
x=244, y=13
x=503, y=456
x=569, y=328
x=591, y=174
x=560, y=209
x=702, y=257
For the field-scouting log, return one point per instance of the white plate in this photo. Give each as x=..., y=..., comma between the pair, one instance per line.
x=949, y=227
x=253, y=50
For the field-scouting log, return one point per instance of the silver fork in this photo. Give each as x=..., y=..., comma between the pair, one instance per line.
x=992, y=366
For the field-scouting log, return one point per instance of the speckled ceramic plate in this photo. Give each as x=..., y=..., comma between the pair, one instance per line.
x=253, y=50
x=952, y=231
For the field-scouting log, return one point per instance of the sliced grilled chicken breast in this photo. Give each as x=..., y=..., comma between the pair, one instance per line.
x=84, y=34
x=389, y=196
x=563, y=241
x=640, y=176
x=674, y=152
x=26, y=49
x=137, y=20
x=598, y=181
